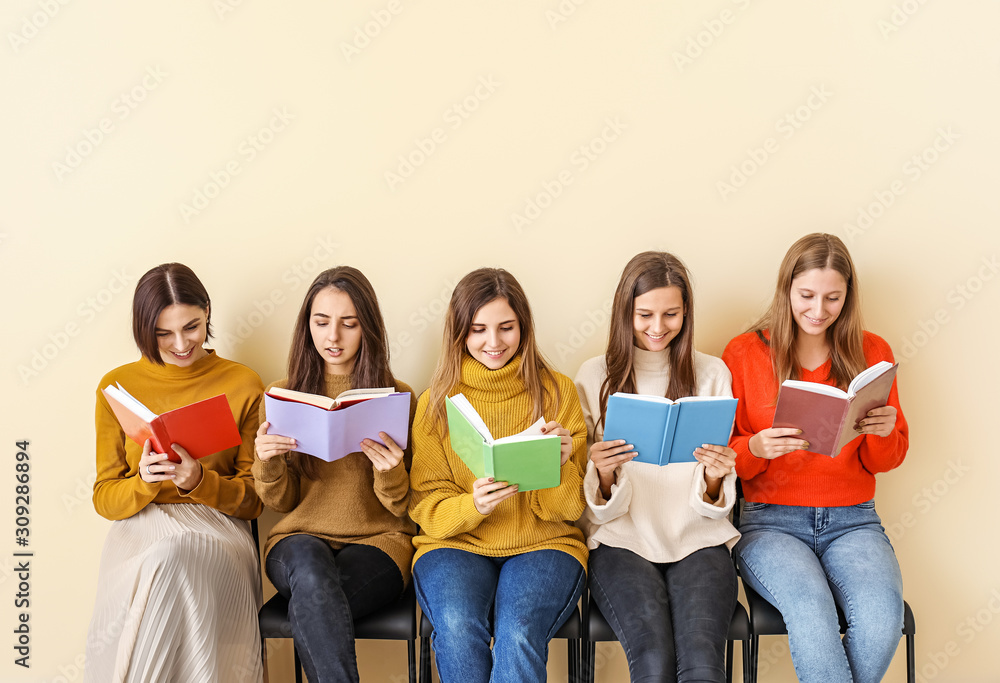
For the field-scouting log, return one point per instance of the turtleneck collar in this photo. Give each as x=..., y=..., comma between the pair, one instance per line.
x=169, y=371
x=480, y=384
x=650, y=361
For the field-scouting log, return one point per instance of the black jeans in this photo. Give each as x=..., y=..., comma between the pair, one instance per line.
x=671, y=619
x=327, y=590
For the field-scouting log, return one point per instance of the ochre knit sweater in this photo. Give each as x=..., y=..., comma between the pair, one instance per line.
x=803, y=478
x=441, y=500
x=349, y=503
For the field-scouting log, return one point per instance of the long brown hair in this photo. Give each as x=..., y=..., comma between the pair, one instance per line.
x=472, y=292
x=845, y=335
x=307, y=369
x=165, y=285
x=645, y=272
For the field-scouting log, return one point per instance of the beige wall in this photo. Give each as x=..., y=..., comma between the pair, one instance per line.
x=625, y=124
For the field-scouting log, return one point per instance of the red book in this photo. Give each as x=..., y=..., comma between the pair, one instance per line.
x=827, y=415
x=201, y=428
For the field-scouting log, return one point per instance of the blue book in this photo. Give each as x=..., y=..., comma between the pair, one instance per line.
x=665, y=431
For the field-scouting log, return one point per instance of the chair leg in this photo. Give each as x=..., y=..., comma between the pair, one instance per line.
x=591, y=660
x=573, y=660
x=911, y=664
x=263, y=656
x=425, y=660
x=729, y=661
x=298, y=665
x=411, y=661
x=754, y=654
x=748, y=677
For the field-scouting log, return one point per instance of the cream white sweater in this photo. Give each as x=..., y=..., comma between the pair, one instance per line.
x=660, y=513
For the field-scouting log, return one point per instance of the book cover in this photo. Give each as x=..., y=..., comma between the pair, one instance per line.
x=827, y=415
x=529, y=459
x=331, y=434
x=201, y=428
x=664, y=431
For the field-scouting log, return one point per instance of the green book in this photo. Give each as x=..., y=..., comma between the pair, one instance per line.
x=529, y=459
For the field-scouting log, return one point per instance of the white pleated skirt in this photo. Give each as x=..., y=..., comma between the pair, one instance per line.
x=177, y=600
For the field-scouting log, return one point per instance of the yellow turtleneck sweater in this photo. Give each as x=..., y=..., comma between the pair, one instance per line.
x=349, y=503
x=226, y=485
x=441, y=484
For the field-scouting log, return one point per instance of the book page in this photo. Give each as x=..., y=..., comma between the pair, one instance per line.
x=364, y=393
x=324, y=402
x=463, y=405
x=815, y=388
x=130, y=402
x=866, y=377
x=645, y=397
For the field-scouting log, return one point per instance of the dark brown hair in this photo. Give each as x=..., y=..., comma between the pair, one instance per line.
x=845, y=335
x=645, y=272
x=307, y=369
x=474, y=291
x=165, y=285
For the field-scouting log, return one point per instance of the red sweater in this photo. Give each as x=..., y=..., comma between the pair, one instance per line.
x=803, y=478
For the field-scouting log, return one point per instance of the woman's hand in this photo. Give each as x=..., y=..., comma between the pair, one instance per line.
x=270, y=445
x=487, y=494
x=566, y=439
x=384, y=458
x=607, y=456
x=188, y=472
x=878, y=421
x=775, y=442
x=155, y=467
x=718, y=461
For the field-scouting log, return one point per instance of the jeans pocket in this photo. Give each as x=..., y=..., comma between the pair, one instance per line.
x=754, y=507
x=867, y=505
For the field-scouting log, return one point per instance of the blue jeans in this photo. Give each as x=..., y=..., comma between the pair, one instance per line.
x=327, y=590
x=529, y=597
x=672, y=619
x=807, y=561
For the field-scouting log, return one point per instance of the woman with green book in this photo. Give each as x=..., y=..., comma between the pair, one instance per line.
x=493, y=562
x=343, y=548
x=659, y=536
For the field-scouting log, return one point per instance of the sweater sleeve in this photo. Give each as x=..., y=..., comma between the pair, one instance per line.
x=277, y=484
x=600, y=511
x=392, y=488
x=565, y=502
x=727, y=495
x=735, y=357
x=119, y=492
x=437, y=503
x=233, y=494
x=884, y=453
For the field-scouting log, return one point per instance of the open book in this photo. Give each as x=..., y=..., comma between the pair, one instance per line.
x=529, y=459
x=827, y=415
x=330, y=428
x=201, y=428
x=665, y=431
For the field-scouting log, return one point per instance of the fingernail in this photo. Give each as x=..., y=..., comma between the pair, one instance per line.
x=621, y=442
x=492, y=480
x=798, y=431
x=172, y=468
x=871, y=414
x=805, y=445
x=861, y=424
x=704, y=445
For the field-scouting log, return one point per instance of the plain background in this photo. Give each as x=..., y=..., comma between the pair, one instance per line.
x=417, y=141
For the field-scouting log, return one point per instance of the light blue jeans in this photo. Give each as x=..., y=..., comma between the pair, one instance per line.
x=529, y=595
x=807, y=561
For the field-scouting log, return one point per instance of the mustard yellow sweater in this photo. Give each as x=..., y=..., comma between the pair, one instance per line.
x=441, y=498
x=227, y=484
x=349, y=503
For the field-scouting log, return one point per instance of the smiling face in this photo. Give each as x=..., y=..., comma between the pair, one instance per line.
x=657, y=317
x=816, y=298
x=495, y=334
x=336, y=332
x=181, y=330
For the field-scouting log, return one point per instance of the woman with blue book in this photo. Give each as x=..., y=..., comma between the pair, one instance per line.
x=343, y=548
x=659, y=536
x=493, y=562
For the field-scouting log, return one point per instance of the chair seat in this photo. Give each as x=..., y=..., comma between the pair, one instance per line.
x=601, y=631
x=767, y=620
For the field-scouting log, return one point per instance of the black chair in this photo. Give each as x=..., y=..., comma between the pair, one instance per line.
x=571, y=631
x=766, y=620
x=397, y=621
x=597, y=630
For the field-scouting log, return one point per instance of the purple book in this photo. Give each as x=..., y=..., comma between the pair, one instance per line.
x=331, y=434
